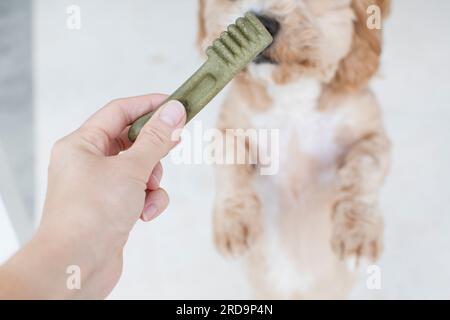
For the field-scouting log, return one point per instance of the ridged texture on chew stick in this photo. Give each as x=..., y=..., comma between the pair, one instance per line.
x=228, y=55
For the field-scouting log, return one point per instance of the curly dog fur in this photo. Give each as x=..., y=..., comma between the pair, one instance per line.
x=295, y=230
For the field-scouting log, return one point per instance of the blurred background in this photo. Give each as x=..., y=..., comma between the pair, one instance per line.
x=52, y=77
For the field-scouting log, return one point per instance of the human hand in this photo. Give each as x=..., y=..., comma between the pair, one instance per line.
x=99, y=185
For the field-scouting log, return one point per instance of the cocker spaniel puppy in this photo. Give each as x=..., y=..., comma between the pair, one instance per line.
x=296, y=230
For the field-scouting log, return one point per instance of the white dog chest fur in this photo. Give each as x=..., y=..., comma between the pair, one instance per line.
x=295, y=114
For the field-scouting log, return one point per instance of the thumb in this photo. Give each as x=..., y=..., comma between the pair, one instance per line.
x=156, y=138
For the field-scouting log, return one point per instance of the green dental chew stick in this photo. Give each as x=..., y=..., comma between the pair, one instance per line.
x=228, y=55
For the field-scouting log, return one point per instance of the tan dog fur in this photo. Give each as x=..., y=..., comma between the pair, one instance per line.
x=295, y=230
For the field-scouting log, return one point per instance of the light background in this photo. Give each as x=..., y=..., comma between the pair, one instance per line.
x=134, y=47
x=8, y=243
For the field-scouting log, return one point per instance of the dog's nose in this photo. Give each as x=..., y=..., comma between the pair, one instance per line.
x=271, y=24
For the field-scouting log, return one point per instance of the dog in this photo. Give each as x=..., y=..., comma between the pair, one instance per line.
x=296, y=231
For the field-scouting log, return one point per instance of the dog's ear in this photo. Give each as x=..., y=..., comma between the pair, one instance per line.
x=363, y=60
x=201, y=33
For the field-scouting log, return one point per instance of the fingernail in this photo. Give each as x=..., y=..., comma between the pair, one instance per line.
x=172, y=113
x=150, y=212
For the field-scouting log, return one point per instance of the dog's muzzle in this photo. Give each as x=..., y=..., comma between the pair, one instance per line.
x=273, y=26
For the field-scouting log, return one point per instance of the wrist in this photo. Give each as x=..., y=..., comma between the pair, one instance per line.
x=81, y=244
x=59, y=264
x=38, y=271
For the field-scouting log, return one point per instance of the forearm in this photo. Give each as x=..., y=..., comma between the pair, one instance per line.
x=358, y=224
x=365, y=167
x=38, y=271
x=56, y=265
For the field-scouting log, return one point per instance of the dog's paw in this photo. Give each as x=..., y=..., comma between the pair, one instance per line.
x=357, y=232
x=237, y=224
x=356, y=263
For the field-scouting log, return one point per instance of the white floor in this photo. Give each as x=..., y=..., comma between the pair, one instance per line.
x=133, y=47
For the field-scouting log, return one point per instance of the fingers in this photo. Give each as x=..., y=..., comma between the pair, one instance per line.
x=155, y=203
x=156, y=139
x=118, y=114
x=119, y=144
x=155, y=178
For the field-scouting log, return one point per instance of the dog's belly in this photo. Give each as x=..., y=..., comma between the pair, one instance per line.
x=294, y=256
x=295, y=252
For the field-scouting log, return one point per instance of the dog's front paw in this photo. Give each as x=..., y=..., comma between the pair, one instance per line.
x=357, y=231
x=237, y=223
